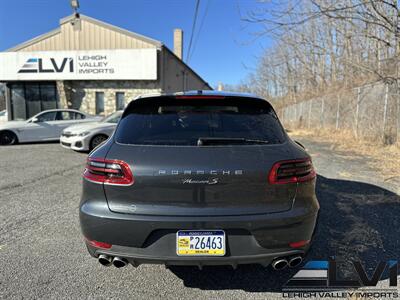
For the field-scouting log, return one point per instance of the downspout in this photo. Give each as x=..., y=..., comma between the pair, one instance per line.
x=162, y=68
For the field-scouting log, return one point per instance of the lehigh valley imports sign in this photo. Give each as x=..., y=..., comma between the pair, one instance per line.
x=132, y=64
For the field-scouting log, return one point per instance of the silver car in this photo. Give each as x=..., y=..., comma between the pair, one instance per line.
x=85, y=137
x=3, y=116
x=45, y=126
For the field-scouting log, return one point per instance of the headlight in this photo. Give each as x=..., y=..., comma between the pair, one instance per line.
x=68, y=134
x=83, y=133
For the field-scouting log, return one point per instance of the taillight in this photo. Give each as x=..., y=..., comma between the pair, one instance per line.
x=299, y=244
x=99, y=244
x=107, y=171
x=292, y=171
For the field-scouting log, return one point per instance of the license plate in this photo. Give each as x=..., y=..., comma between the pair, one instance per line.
x=200, y=242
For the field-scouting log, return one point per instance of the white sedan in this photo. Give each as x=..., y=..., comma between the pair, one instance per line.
x=45, y=126
x=86, y=137
x=3, y=116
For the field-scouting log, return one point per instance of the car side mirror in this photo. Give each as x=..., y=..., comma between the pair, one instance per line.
x=34, y=120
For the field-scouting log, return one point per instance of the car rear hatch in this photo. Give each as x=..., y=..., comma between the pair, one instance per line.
x=199, y=157
x=196, y=181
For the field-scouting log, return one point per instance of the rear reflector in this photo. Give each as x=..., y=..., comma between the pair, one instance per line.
x=291, y=171
x=107, y=171
x=99, y=244
x=299, y=244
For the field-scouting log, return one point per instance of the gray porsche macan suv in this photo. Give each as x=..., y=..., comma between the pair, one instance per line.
x=199, y=178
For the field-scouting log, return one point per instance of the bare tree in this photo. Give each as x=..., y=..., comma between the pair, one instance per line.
x=324, y=44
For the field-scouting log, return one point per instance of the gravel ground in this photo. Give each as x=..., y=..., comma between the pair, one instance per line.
x=42, y=254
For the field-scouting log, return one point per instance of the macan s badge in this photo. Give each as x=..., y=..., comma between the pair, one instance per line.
x=35, y=65
x=193, y=181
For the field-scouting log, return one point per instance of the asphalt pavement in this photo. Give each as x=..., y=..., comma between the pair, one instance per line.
x=42, y=254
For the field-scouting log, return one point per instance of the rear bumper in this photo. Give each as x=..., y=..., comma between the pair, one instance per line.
x=152, y=239
x=153, y=255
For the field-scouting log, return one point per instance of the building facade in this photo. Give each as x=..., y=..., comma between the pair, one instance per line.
x=92, y=66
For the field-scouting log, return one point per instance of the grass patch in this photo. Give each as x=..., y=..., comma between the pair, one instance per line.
x=385, y=159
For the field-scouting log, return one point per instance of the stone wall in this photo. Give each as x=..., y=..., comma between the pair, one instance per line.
x=81, y=95
x=62, y=96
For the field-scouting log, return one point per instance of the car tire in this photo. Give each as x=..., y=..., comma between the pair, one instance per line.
x=97, y=140
x=8, y=138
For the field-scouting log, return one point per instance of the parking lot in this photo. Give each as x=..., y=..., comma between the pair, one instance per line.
x=42, y=254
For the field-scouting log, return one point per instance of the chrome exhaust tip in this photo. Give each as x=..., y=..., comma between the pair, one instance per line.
x=119, y=262
x=279, y=264
x=295, y=261
x=105, y=260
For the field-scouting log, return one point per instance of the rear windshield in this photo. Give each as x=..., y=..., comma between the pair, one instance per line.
x=170, y=121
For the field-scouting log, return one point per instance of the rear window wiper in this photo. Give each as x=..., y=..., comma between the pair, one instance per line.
x=205, y=141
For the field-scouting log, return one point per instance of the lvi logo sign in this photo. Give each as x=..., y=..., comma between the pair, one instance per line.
x=323, y=275
x=35, y=65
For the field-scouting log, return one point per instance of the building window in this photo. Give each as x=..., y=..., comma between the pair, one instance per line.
x=120, y=101
x=99, y=103
x=30, y=98
x=48, y=95
x=18, y=102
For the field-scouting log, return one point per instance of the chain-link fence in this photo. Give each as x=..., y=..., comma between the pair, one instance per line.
x=370, y=112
